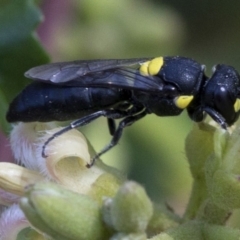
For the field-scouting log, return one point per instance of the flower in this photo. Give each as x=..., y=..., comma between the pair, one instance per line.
x=65, y=165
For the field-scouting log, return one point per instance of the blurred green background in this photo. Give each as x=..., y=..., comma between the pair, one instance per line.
x=152, y=150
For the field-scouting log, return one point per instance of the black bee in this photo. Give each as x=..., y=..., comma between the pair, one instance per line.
x=128, y=90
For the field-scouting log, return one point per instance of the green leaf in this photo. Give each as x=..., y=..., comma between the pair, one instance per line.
x=19, y=48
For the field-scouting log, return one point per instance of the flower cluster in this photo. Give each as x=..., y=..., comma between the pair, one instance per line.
x=58, y=197
x=32, y=176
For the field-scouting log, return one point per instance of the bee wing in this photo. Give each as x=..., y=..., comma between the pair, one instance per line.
x=97, y=73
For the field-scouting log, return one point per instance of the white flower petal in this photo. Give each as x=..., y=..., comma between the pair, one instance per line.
x=23, y=139
x=67, y=159
x=7, y=198
x=12, y=221
x=71, y=144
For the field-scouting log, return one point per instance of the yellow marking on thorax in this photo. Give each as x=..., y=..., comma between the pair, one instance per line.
x=183, y=101
x=151, y=67
x=237, y=105
x=144, y=68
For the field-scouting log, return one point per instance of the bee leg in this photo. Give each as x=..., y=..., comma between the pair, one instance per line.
x=217, y=117
x=111, y=126
x=128, y=121
x=129, y=111
x=111, y=114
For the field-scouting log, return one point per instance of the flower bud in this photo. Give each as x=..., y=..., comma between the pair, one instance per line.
x=198, y=147
x=130, y=210
x=163, y=218
x=199, y=230
x=63, y=214
x=223, y=170
x=14, y=178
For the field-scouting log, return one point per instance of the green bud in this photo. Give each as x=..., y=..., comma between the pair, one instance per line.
x=198, y=230
x=107, y=218
x=210, y=212
x=163, y=218
x=105, y=185
x=33, y=217
x=188, y=231
x=130, y=210
x=220, y=232
x=224, y=190
x=63, y=214
x=223, y=170
x=199, y=146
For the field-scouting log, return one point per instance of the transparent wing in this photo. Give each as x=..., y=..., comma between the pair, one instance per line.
x=67, y=71
x=97, y=73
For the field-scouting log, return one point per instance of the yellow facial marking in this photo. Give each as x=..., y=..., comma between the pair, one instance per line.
x=155, y=66
x=144, y=68
x=151, y=67
x=237, y=105
x=183, y=101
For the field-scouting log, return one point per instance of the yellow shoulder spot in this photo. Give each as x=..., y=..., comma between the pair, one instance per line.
x=155, y=65
x=144, y=68
x=183, y=101
x=237, y=105
x=151, y=67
